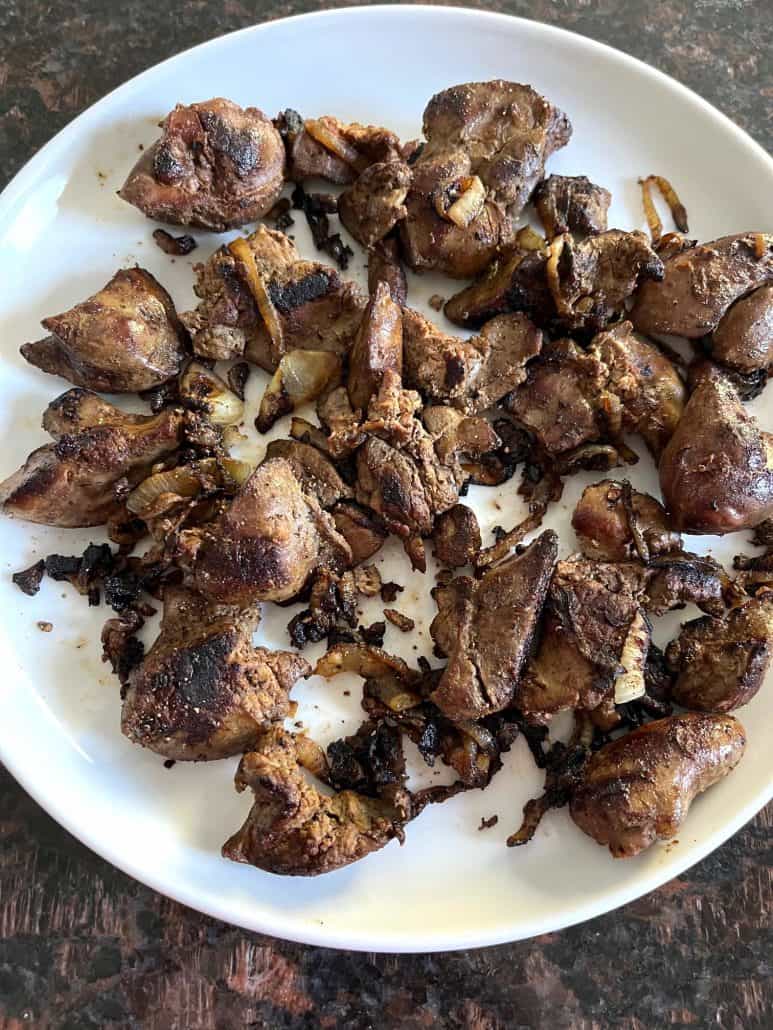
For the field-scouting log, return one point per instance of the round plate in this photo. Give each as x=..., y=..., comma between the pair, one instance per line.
x=64, y=232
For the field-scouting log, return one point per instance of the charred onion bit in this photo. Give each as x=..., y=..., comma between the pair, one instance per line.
x=203, y=391
x=301, y=376
x=563, y=765
x=316, y=207
x=177, y=246
x=29, y=580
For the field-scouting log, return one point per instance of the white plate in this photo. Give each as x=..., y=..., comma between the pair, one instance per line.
x=63, y=233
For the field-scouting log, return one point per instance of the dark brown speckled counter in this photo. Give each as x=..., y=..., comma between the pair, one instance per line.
x=83, y=946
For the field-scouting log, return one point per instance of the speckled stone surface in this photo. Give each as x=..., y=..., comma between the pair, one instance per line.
x=83, y=946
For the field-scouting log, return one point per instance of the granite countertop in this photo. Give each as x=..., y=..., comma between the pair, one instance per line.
x=84, y=946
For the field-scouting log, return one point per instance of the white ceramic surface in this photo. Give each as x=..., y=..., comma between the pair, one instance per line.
x=63, y=232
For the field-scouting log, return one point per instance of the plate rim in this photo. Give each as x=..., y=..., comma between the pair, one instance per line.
x=391, y=942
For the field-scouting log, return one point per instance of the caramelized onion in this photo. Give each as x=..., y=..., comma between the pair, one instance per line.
x=551, y=271
x=205, y=391
x=325, y=131
x=528, y=239
x=238, y=471
x=311, y=756
x=240, y=250
x=301, y=376
x=469, y=196
x=630, y=683
x=669, y=194
x=161, y=490
x=391, y=692
x=368, y=662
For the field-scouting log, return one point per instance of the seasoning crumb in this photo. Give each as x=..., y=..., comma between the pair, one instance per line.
x=45, y=627
x=436, y=301
x=486, y=824
x=169, y=763
x=403, y=623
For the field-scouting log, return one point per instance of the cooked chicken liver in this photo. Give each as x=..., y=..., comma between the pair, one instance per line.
x=700, y=284
x=266, y=543
x=639, y=788
x=487, y=143
x=307, y=304
x=203, y=691
x=292, y=828
x=74, y=481
x=716, y=472
x=125, y=339
x=486, y=627
x=571, y=203
x=216, y=166
x=720, y=663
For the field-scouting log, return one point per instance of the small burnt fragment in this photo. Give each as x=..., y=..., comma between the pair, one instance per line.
x=370, y=761
x=29, y=580
x=165, y=395
x=62, y=566
x=403, y=623
x=373, y=634
x=122, y=590
x=316, y=207
x=486, y=824
x=177, y=246
x=237, y=376
x=389, y=592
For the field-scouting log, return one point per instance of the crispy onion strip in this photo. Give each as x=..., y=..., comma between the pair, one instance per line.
x=669, y=194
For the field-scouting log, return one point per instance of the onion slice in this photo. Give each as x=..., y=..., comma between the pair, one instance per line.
x=301, y=376
x=203, y=390
x=242, y=252
x=469, y=196
x=630, y=682
x=325, y=131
